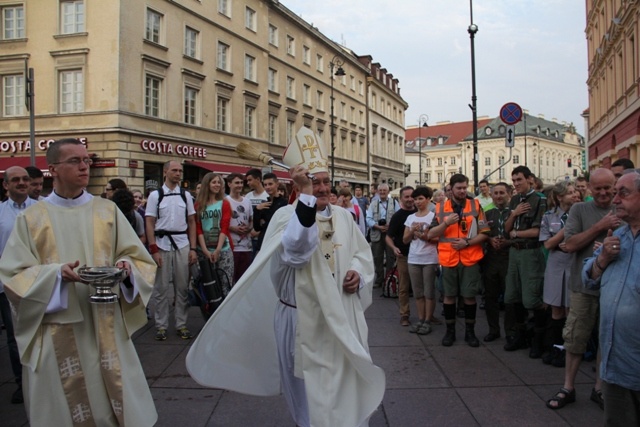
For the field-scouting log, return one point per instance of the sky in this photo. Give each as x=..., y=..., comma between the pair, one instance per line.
x=531, y=52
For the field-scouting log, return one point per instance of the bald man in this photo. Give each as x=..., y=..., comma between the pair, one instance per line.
x=16, y=184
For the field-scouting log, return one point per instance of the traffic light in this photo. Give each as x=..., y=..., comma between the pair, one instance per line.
x=568, y=163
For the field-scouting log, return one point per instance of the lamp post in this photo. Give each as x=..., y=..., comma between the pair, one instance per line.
x=336, y=62
x=472, y=30
x=422, y=122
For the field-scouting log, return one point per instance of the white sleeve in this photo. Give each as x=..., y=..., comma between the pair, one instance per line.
x=299, y=242
x=59, y=297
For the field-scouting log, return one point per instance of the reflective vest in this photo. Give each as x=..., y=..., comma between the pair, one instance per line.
x=468, y=256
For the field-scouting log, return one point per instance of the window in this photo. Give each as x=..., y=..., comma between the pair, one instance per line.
x=71, y=91
x=273, y=35
x=320, y=100
x=72, y=16
x=223, y=7
x=291, y=87
x=291, y=45
x=360, y=87
x=221, y=114
x=273, y=80
x=291, y=131
x=250, y=19
x=516, y=159
x=13, y=22
x=306, y=94
x=487, y=171
x=250, y=68
x=306, y=55
x=501, y=173
x=427, y=176
x=152, y=86
x=352, y=83
x=153, y=26
x=439, y=161
x=190, y=105
x=361, y=119
x=427, y=162
x=343, y=111
x=273, y=128
x=500, y=160
x=191, y=42
x=249, y=120
x=13, y=95
x=223, y=56
x=439, y=176
x=487, y=161
x=320, y=63
x=453, y=160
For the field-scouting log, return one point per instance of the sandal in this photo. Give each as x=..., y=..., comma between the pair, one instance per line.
x=596, y=396
x=562, y=397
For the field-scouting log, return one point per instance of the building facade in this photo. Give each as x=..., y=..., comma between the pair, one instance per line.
x=613, y=117
x=142, y=83
x=545, y=146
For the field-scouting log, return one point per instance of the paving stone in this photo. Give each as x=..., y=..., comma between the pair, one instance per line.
x=408, y=368
x=428, y=407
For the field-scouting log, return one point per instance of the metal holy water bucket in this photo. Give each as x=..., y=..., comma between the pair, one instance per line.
x=102, y=279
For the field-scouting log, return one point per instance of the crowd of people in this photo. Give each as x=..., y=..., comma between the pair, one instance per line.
x=555, y=259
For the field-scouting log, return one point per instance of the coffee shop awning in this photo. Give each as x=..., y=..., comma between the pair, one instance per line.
x=225, y=169
x=7, y=162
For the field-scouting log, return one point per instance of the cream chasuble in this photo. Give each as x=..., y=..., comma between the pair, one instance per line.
x=80, y=365
x=237, y=351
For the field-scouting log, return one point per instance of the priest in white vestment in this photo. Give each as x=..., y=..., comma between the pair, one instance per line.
x=295, y=321
x=80, y=367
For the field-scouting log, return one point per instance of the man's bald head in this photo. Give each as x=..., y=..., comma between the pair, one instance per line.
x=16, y=183
x=601, y=184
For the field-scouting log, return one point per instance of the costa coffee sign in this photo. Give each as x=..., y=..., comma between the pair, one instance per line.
x=22, y=146
x=183, y=150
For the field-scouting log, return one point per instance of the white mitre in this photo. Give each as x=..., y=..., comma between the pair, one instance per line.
x=308, y=150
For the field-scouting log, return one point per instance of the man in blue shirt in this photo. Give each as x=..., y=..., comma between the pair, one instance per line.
x=16, y=183
x=614, y=269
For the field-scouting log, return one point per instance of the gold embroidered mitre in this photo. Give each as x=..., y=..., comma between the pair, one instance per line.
x=308, y=150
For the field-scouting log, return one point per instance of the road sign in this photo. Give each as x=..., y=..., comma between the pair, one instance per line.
x=510, y=136
x=511, y=113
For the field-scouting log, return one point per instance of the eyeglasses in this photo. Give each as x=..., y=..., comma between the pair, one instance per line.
x=17, y=179
x=75, y=161
x=623, y=193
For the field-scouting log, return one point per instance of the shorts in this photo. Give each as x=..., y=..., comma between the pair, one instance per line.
x=462, y=280
x=583, y=315
x=423, y=280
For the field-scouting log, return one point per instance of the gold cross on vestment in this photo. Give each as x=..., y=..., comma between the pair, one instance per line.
x=311, y=146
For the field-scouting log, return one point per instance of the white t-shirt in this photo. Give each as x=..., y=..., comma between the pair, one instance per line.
x=241, y=214
x=420, y=251
x=256, y=199
x=172, y=216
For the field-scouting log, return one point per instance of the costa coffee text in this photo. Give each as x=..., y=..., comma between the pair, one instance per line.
x=168, y=148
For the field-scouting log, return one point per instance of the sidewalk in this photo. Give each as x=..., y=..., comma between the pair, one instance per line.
x=427, y=384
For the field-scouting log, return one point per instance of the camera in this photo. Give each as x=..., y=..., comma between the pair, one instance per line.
x=382, y=222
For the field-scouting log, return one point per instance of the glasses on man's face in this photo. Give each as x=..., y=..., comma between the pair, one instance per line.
x=17, y=179
x=75, y=161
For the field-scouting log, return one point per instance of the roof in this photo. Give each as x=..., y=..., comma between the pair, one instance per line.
x=536, y=125
x=453, y=134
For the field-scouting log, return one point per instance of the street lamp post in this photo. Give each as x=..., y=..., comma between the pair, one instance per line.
x=472, y=30
x=422, y=122
x=336, y=62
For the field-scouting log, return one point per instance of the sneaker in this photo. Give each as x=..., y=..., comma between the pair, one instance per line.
x=161, y=335
x=184, y=333
x=416, y=327
x=424, y=329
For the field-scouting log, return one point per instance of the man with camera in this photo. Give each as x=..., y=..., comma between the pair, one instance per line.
x=379, y=215
x=462, y=229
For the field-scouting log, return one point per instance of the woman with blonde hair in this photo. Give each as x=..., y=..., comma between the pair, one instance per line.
x=213, y=215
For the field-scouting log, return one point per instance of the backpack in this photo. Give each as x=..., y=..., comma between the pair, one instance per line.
x=161, y=196
x=391, y=283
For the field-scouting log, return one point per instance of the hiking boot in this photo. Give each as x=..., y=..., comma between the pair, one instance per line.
x=184, y=333
x=470, y=336
x=449, y=336
x=161, y=334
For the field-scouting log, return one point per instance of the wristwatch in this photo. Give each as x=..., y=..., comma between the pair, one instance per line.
x=468, y=244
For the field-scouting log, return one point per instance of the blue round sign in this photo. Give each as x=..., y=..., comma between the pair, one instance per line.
x=511, y=113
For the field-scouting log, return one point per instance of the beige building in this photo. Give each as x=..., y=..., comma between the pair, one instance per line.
x=613, y=117
x=545, y=146
x=145, y=82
